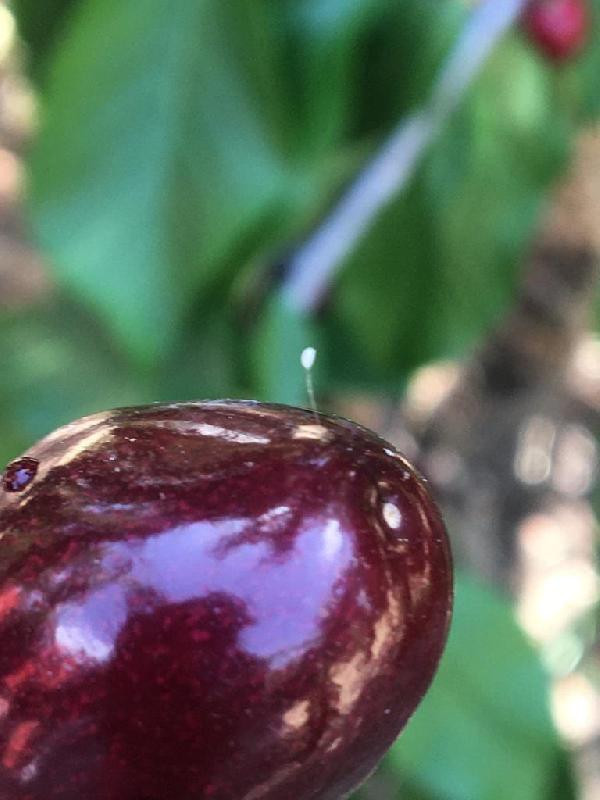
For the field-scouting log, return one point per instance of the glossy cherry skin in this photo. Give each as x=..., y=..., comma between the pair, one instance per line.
x=213, y=601
x=558, y=27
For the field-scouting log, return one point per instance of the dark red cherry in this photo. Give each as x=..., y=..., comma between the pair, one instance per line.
x=213, y=601
x=558, y=27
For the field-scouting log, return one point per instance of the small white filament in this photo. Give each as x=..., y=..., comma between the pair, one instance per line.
x=307, y=359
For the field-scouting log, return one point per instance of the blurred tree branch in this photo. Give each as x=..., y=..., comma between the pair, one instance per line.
x=312, y=269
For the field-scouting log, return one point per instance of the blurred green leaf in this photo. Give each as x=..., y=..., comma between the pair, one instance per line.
x=327, y=41
x=441, y=263
x=178, y=144
x=402, y=57
x=205, y=362
x=378, y=313
x=281, y=336
x=154, y=163
x=484, y=183
x=56, y=366
x=484, y=728
x=42, y=30
x=578, y=78
x=183, y=148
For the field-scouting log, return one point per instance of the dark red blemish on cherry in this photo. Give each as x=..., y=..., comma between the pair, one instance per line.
x=212, y=602
x=18, y=475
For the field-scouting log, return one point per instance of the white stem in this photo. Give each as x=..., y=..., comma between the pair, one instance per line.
x=315, y=264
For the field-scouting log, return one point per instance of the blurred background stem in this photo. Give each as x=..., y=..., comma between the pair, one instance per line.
x=311, y=270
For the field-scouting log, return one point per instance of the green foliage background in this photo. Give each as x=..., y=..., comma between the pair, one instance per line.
x=184, y=150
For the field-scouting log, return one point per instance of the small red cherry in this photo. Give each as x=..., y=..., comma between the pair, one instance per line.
x=558, y=27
